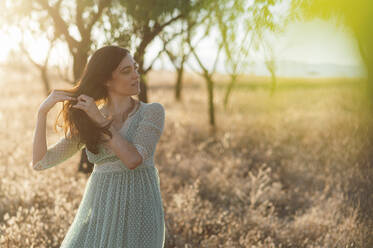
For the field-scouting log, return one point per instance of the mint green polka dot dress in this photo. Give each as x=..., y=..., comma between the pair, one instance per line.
x=120, y=207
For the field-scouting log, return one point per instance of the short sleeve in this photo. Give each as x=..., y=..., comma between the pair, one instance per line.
x=149, y=130
x=58, y=153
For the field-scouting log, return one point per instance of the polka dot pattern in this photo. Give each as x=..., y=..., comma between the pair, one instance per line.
x=119, y=209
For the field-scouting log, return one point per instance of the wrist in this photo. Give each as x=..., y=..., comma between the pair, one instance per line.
x=108, y=139
x=103, y=122
x=42, y=112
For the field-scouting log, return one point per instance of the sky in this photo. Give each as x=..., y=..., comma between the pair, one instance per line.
x=317, y=42
x=312, y=42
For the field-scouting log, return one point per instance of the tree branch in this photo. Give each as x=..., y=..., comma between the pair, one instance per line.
x=151, y=64
x=78, y=17
x=159, y=27
x=60, y=24
x=101, y=6
x=26, y=52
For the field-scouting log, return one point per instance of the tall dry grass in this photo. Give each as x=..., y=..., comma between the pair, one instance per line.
x=287, y=171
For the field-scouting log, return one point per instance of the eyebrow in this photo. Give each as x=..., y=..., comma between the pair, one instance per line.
x=136, y=65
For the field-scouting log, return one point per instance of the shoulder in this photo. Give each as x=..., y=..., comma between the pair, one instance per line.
x=154, y=108
x=154, y=112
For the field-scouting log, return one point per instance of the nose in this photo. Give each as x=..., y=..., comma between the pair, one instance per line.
x=136, y=74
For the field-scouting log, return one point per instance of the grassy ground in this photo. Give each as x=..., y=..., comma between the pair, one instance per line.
x=290, y=170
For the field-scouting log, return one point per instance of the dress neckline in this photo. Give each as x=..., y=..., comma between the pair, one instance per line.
x=130, y=115
x=125, y=125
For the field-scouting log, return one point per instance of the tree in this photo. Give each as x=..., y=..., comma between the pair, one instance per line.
x=68, y=21
x=43, y=66
x=206, y=23
x=270, y=62
x=178, y=56
x=241, y=26
x=128, y=23
x=144, y=21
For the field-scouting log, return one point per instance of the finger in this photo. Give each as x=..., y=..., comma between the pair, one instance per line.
x=86, y=98
x=62, y=92
x=82, y=98
x=70, y=98
x=65, y=98
x=79, y=106
x=83, y=103
x=68, y=93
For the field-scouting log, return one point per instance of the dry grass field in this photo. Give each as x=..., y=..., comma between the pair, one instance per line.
x=290, y=170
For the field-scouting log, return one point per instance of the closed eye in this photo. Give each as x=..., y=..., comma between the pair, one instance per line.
x=128, y=71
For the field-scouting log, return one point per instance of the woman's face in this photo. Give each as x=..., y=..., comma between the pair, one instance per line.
x=126, y=79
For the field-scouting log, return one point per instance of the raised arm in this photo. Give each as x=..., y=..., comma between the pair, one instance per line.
x=43, y=157
x=149, y=130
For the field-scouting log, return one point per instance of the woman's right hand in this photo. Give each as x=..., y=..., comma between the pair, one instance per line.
x=54, y=97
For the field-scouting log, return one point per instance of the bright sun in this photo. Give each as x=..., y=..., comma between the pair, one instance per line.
x=9, y=41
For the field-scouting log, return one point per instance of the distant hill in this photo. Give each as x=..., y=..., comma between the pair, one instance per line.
x=299, y=69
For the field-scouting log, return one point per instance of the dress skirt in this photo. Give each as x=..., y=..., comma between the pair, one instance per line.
x=120, y=208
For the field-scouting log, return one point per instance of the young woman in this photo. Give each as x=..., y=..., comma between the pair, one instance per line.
x=122, y=204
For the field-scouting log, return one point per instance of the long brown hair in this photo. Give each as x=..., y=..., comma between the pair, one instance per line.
x=92, y=83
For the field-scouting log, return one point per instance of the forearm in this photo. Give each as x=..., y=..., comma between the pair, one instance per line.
x=39, y=141
x=124, y=150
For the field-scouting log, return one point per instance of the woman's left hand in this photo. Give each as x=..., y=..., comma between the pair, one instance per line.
x=88, y=105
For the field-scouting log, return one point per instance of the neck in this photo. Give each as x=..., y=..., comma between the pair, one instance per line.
x=119, y=104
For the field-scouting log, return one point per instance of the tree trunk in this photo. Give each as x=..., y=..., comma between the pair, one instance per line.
x=229, y=90
x=44, y=76
x=210, y=92
x=143, y=96
x=179, y=82
x=139, y=58
x=274, y=82
x=80, y=60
